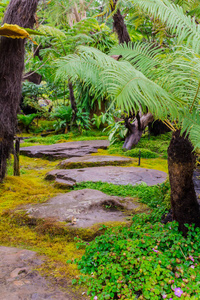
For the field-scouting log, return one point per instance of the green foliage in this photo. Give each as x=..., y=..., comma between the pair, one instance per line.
x=116, y=131
x=144, y=153
x=60, y=138
x=173, y=16
x=121, y=82
x=102, y=119
x=153, y=196
x=82, y=119
x=150, y=147
x=26, y=120
x=63, y=115
x=145, y=261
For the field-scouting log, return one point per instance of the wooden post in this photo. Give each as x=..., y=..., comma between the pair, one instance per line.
x=16, y=157
x=139, y=158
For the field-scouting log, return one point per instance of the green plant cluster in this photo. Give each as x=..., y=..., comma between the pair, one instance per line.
x=146, y=261
x=150, y=147
x=156, y=196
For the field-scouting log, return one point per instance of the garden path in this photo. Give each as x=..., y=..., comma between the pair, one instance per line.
x=18, y=279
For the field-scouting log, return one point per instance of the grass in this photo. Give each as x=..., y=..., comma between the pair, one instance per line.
x=63, y=138
x=149, y=148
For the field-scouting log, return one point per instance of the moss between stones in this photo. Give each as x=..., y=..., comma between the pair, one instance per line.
x=79, y=165
x=53, y=240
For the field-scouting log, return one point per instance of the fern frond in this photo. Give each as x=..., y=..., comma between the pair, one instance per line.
x=173, y=16
x=191, y=125
x=125, y=86
x=52, y=31
x=142, y=55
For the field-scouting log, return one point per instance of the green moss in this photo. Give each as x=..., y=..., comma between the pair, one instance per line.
x=80, y=165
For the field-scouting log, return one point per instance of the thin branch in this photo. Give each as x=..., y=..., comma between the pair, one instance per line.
x=32, y=55
x=35, y=70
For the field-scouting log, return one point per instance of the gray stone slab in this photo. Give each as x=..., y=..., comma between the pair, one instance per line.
x=65, y=150
x=20, y=281
x=83, y=208
x=110, y=174
x=93, y=161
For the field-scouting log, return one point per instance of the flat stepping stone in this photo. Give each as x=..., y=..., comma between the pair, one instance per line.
x=84, y=208
x=110, y=174
x=65, y=150
x=93, y=161
x=19, y=280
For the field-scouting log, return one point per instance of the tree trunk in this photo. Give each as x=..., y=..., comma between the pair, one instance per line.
x=20, y=12
x=136, y=129
x=181, y=163
x=120, y=26
x=157, y=127
x=73, y=101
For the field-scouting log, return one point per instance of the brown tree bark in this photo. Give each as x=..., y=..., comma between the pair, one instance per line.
x=73, y=102
x=20, y=12
x=120, y=26
x=181, y=163
x=136, y=129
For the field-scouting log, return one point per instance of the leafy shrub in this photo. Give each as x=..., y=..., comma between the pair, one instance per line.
x=145, y=261
x=102, y=119
x=63, y=115
x=150, y=148
x=145, y=153
x=26, y=120
x=82, y=119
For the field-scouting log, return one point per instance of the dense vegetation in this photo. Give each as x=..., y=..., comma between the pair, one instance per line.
x=98, y=70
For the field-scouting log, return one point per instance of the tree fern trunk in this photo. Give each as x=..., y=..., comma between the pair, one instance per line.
x=120, y=26
x=20, y=12
x=181, y=163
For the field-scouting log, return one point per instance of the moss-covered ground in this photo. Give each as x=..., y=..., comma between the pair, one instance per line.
x=31, y=187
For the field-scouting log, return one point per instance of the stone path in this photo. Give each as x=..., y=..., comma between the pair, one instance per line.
x=19, y=280
x=93, y=161
x=84, y=208
x=65, y=150
x=110, y=174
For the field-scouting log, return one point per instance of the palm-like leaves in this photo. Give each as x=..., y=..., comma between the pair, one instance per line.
x=173, y=16
x=167, y=83
x=125, y=85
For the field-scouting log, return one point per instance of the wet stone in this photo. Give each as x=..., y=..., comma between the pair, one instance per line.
x=65, y=150
x=110, y=174
x=84, y=208
x=93, y=161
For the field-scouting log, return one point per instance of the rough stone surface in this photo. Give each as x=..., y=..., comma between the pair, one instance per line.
x=84, y=208
x=110, y=174
x=19, y=280
x=93, y=161
x=65, y=150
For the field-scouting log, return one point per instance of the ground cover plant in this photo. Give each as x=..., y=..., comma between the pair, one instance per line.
x=149, y=260
x=156, y=197
x=63, y=138
x=149, y=147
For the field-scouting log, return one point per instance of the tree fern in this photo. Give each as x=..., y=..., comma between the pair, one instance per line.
x=173, y=16
x=142, y=55
x=191, y=125
x=124, y=84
